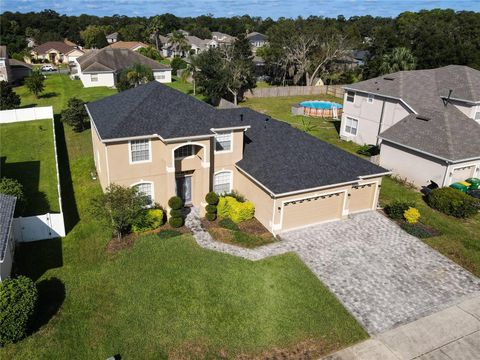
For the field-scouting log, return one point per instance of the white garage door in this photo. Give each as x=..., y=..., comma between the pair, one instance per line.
x=312, y=210
x=460, y=174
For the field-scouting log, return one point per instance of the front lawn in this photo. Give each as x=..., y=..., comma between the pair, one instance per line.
x=165, y=297
x=27, y=155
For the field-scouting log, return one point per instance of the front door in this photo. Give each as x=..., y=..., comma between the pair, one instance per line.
x=184, y=189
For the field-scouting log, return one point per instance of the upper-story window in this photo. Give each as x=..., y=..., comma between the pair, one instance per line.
x=350, y=96
x=223, y=141
x=370, y=99
x=93, y=77
x=351, y=126
x=185, y=151
x=140, y=150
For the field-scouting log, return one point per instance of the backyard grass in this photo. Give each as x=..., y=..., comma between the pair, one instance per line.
x=165, y=297
x=27, y=154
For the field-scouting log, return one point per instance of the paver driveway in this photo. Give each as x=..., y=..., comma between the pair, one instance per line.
x=381, y=274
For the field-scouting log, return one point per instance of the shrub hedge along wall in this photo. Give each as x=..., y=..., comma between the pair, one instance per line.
x=453, y=202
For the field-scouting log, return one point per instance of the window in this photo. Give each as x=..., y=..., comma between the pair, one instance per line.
x=140, y=150
x=184, y=151
x=477, y=114
x=222, y=182
x=351, y=126
x=370, y=98
x=350, y=96
x=223, y=141
x=93, y=77
x=159, y=76
x=145, y=189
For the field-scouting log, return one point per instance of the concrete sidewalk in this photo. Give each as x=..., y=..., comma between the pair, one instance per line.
x=450, y=334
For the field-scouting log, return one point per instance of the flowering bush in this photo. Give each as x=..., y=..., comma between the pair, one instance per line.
x=411, y=215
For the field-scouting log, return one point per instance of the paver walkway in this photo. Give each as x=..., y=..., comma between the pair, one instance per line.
x=382, y=275
x=450, y=334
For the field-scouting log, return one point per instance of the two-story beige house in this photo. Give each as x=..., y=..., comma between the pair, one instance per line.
x=168, y=143
x=427, y=122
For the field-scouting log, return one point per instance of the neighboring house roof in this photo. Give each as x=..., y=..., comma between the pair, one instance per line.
x=68, y=42
x=193, y=40
x=360, y=55
x=222, y=37
x=424, y=91
x=3, y=52
x=127, y=45
x=256, y=36
x=113, y=36
x=60, y=46
x=282, y=158
x=7, y=208
x=108, y=60
x=18, y=63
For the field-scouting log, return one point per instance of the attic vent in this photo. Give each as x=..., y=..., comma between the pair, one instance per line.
x=423, y=117
x=391, y=78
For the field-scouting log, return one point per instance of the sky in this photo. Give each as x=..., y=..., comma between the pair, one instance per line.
x=263, y=8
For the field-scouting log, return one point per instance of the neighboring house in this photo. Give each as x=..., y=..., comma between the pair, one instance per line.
x=102, y=67
x=112, y=38
x=223, y=39
x=57, y=52
x=168, y=143
x=130, y=45
x=30, y=42
x=259, y=66
x=427, y=121
x=351, y=60
x=12, y=70
x=257, y=40
x=7, y=243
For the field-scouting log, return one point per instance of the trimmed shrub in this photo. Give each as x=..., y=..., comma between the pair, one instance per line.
x=397, y=208
x=176, y=222
x=175, y=203
x=227, y=223
x=234, y=209
x=235, y=194
x=18, y=298
x=211, y=198
x=175, y=213
x=412, y=215
x=211, y=209
x=211, y=216
x=150, y=219
x=417, y=230
x=453, y=202
x=14, y=188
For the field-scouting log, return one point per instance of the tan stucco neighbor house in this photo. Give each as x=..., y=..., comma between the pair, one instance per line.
x=427, y=122
x=168, y=143
x=57, y=52
x=102, y=67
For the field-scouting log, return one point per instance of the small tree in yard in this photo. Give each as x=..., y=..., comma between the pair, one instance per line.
x=75, y=115
x=120, y=207
x=18, y=298
x=134, y=76
x=14, y=188
x=8, y=98
x=35, y=83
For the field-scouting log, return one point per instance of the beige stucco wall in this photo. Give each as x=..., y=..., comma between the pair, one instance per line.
x=368, y=116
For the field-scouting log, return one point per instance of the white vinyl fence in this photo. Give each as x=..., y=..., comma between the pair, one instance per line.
x=46, y=226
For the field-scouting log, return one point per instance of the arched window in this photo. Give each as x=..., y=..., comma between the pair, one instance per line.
x=222, y=182
x=146, y=189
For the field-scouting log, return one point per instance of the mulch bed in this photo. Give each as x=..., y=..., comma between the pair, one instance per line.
x=128, y=241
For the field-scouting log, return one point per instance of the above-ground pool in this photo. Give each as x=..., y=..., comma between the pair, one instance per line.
x=318, y=108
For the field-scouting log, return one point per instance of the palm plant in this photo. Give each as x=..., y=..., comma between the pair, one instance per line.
x=398, y=59
x=179, y=42
x=190, y=72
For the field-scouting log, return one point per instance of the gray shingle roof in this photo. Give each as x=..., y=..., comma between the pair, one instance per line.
x=7, y=208
x=57, y=45
x=279, y=156
x=448, y=133
x=108, y=59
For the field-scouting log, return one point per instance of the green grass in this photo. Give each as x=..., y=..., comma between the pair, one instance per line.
x=165, y=296
x=27, y=152
x=58, y=89
x=280, y=109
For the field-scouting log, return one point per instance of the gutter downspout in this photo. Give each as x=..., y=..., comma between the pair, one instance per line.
x=381, y=122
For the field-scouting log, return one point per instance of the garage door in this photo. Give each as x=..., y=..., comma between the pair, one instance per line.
x=460, y=174
x=362, y=198
x=312, y=210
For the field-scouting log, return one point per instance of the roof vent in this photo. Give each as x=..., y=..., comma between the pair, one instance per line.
x=423, y=117
x=241, y=117
x=391, y=78
x=445, y=101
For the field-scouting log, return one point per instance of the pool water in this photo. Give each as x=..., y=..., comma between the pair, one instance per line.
x=320, y=104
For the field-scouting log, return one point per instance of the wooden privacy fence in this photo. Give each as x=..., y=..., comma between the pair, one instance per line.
x=277, y=91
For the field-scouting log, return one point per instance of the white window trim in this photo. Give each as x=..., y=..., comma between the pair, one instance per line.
x=205, y=163
x=223, y=151
x=345, y=126
x=371, y=98
x=153, y=189
x=91, y=77
x=354, y=96
x=223, y=171
x=475, y=112
x=141, y=161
